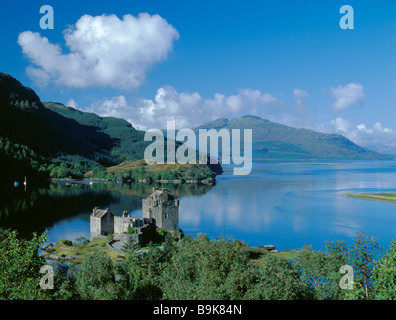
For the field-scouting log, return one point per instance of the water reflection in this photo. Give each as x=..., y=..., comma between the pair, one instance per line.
x=294, y=205
x=286, y=205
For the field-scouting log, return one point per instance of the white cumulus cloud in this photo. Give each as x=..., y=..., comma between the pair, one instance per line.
x=117, y=107
x=342, y=125
x=375, y=137
x=72, y=103
x=187, y=109
x=104, y=51
x=191, y=109
x=362, y=127
x=378, y=126
x=347, y=96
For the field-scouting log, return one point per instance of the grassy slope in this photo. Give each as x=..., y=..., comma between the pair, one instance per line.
x=132, y=165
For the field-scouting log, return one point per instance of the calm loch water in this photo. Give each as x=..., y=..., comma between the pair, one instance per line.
x=287, y=205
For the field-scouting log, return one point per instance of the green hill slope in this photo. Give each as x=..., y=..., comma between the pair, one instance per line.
x=127, y=143
x=24, y=120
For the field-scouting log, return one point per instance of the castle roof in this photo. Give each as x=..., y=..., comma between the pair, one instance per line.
x=161, y=192
x=100, y=213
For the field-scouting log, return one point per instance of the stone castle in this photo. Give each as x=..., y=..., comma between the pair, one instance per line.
x=160, y=210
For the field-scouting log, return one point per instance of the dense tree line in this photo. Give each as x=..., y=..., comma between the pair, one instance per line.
x=199, y=268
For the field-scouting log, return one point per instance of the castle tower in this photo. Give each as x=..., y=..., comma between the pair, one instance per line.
x=161, y=207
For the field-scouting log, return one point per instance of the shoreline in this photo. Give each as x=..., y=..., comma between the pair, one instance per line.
x=208, y=181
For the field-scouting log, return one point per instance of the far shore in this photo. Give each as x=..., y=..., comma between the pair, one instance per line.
x=312, y=163
x=208, y=181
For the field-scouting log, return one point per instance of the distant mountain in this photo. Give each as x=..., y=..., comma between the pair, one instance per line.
x=276, y=141
x=381, y=148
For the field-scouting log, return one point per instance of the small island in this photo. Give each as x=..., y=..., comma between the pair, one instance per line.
x=140, y=171
x=384, y=197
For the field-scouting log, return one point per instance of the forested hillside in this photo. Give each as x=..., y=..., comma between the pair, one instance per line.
x=52, y=140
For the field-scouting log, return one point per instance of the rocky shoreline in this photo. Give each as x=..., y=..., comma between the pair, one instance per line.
x=50, y=249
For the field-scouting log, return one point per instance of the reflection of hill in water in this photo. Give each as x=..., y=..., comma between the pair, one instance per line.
x=143, y=190
x=38, y=209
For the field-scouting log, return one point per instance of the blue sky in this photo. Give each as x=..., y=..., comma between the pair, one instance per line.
x=195, y=61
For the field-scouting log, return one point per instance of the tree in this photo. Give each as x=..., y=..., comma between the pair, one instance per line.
x=137, y=281
x=63, y=172
x=110, y=176
x=131, y=244
x=20, y=268
x=96, y=278
x=203, y=269
x=53, y=172
x=384, y=275
x=65, y=283
x=320, y=269
x=126, y=175
x=51, y=167
x=361, y=257
x=278, y=279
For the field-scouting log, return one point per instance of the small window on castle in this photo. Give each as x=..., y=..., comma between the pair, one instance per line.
x=166, y=215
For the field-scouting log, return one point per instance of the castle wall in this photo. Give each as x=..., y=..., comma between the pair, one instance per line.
x=145, y=206
x=170, y=215
x=120, y=225
x=95, y=227
x=136, y=238
x=107, y=224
